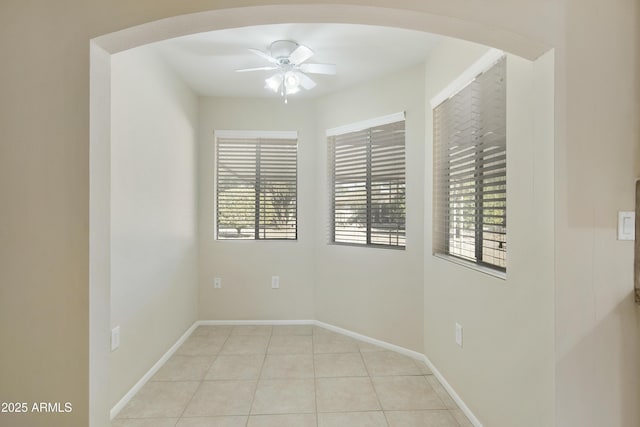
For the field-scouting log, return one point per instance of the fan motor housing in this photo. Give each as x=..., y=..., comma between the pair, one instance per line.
x=281, y=49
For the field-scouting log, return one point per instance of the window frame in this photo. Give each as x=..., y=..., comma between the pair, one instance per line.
x=249, y=135
x=365, y=125
x=485, y=63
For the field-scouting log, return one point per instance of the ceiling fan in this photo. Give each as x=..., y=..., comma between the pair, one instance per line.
x=288, y=58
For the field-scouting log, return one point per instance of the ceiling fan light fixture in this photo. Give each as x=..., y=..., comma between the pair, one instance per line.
x=273, y=83
x=293, y=90
x=289, y=59
x=292, y=81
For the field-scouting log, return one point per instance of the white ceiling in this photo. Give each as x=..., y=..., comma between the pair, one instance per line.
x=206, y=61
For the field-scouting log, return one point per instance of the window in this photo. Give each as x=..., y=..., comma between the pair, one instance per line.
x=256, y=185
x=367, y=170
x=470, y=163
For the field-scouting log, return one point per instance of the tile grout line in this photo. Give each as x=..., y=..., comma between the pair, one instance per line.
x=203, y=378
x=313, y=335
x=449, y=410
x=315, y=382
x=264, y=361
x=384, y=414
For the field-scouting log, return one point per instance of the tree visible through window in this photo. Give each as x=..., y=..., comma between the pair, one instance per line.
x=368, y=185
x=256, y=187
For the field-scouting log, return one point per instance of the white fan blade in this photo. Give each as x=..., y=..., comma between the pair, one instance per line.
x=319, y=68
x=274, y=82
x=301, y=54
x=244, y=70
x=264, y=55
x=306, y=81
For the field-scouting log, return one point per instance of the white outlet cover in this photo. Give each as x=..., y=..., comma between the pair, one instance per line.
x=115, y=338
x=459, y=334
x=275, y=282
x=217, y=283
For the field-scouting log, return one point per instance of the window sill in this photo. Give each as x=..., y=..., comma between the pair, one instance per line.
x=473, y=266
x=358, y=245
x=256, y=240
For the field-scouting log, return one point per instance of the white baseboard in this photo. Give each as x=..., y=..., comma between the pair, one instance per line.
x=456, y=398
x=392, y=347
x=150, y=373
x=254, y=322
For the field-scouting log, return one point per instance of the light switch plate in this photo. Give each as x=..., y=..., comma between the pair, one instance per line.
x=626, y=225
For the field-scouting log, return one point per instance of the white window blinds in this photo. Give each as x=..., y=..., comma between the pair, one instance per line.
x=256, y=188
x=470, y=181
x=367, y=170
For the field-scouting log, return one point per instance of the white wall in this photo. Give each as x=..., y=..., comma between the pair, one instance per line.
x=504, y=371
x=246, y=267
x=597, y=162
x=153, y=214
x=373, y=291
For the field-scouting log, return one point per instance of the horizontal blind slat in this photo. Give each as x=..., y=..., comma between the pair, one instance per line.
x=470, y=170
x=367, y=175
x=251, y=173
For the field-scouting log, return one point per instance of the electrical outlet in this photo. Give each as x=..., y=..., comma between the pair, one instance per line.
x=275, y=282
x=115, y=338
x=217, y=283
x=459, y=334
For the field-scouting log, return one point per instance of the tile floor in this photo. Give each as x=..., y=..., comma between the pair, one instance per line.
x=288, y=376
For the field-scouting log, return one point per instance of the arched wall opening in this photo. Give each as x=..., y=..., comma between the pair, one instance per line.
x=104, y=46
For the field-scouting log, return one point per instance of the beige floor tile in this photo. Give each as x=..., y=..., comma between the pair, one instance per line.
x=202, y=345
x=252, y=330
x=184, y=368
x=230, y=359
x=280, y=366
x=290, y=344
x=213, y=422
x=366, y=347
x=318, y=331
x=160, y=399
x=346, y=394
x=387, y=363
x=329, y=344
x=215, y=398
x=245, y=344
x=284, y=397
x=352, y=419
x=406, y=393
x=293, y=420
x=293, y=330
x=435, y=418
x=423, y=368
x=461, y=418
x=441, y=392
x=206, y=331
x=236, y=367
x=147, y=422
x=339, y=365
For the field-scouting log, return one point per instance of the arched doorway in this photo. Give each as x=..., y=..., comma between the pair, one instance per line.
x=103, y=46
